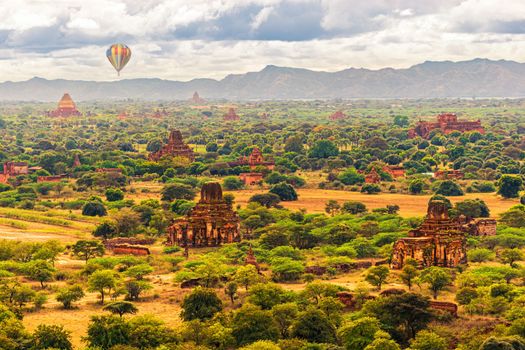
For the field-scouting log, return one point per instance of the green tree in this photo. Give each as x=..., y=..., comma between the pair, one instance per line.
x=416, y=186
x=171, y=192
x=509, y=186
x=313, y=325
x=472, y=208
x=285, y=191
x=267, y=295
x=135, y=288
x=294, y=144
x=41, y=271
x=105, y=332
x=114, y=194
x=139, y=271
x=121, y=308
x=383, y=344
x=94, y=208
x=351, y=177
x=52, y=337
x=448, y=188
x=408, y=274
x=437, y=278
x=231, y=290
x=68, y=295
x=284, y=316
x=201, y=303
x=87, y=249
x=510, y=256
x=427, y=340
x=105, y=230
x=246, y=275
x=332, y=207
x=353, y=207
x=323, y=149
x=377, y=275
x=268, y=200
x=401, y=315
x=370, y=188
x=231, y=183
x=251, y=324
x=103, y=282
x=504, y=343
x=358, y=334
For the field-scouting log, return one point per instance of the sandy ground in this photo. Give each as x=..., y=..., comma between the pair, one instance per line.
x=314, y=200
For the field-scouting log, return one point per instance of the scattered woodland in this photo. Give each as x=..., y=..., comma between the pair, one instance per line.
x=317, y=230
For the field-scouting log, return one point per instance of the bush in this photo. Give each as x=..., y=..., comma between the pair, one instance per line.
x=285, y=191
x=114, y=194
x=231, y=183
x=448, y=188
x=370, y=188
x=94, y=208
x=351, y=177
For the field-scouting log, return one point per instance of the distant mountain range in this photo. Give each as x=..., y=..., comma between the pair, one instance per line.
x=474, y=78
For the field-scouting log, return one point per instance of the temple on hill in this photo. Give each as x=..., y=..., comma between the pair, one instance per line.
x=254, y=160
x=447, y=123
x=373, y=177
x=174, y=148
x=66, y=108
x=337, y=116
x=76, y=161
x=439, y=241
x=196, y=99
x=211, y=222
x=231, y=115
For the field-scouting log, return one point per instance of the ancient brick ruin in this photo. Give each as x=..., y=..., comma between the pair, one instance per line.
x=337, y=116
x=251, y=259
x=448, y=174
x=439, y=241
x=254, y=160
x=447, y=123
x=66, y=108
x=372, y=177
x=211, y=223
x=174, y=148
x=251, y=179
x=231, y=115
x=196, y=99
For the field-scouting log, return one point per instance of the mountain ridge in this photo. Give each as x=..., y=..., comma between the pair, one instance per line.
x=478, y=77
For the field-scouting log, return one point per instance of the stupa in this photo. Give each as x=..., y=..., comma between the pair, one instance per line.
x=66, y=108
x=231, y=115
x=337, y=116
x=174, y=148
x=196, y=99
x=211, y=222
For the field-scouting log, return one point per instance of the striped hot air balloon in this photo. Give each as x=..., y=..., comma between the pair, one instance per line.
x=118, y=55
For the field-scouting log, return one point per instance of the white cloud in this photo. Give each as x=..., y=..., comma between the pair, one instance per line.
x=68, y=38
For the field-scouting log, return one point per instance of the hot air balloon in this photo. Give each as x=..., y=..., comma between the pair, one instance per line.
x=118, y=55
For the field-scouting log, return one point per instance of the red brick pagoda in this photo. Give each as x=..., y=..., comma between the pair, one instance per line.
x=254, y=160
x=211, y=223
x=196, y=99
x=174, y=148
x=66, y=108
x=447, y=123
x=231, y=115
x=337, y=116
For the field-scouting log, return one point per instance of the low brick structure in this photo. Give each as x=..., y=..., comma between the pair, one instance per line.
x=109, y=170
x=52, y=178
x=251, y=179
x=446, y=306
x=111, y=243
x=449, y=175
x=131, y=249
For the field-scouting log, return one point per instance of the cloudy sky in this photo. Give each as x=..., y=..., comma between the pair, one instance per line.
x=186, y=39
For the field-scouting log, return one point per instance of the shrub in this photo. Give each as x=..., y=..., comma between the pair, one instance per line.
x=114, y=194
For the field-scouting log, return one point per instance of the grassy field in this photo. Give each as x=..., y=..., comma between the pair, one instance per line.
x=314, y=200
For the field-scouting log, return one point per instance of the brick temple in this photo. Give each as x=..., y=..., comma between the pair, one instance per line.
x=11, y=169
x=339, y=115
x=440, y=240
x=66, y=108
x=196, y=99
x=254, y=160
x=174, y=148
x=447, y=123
x=211, y=222
x=231, y=115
